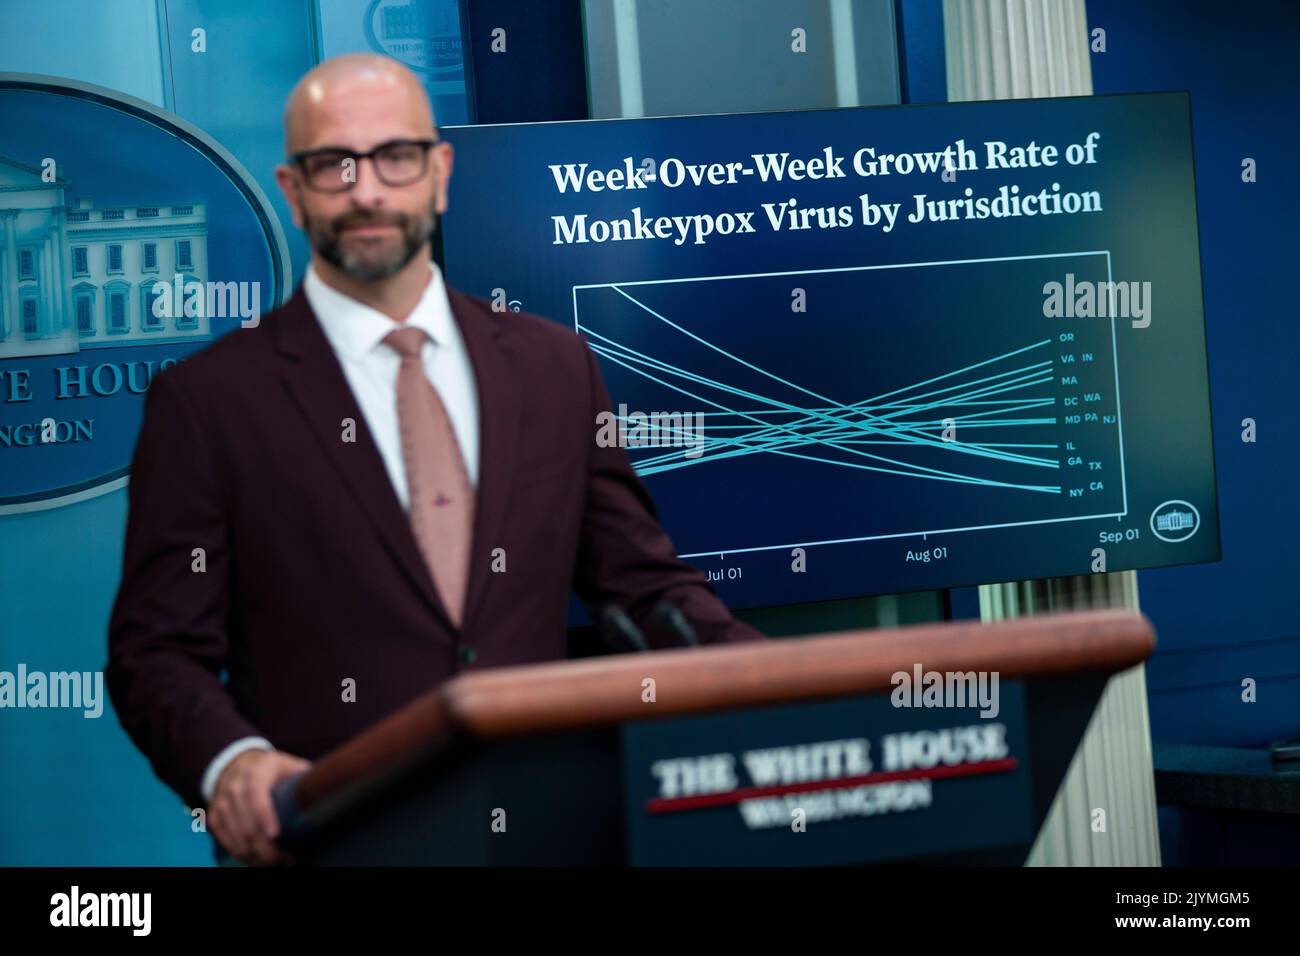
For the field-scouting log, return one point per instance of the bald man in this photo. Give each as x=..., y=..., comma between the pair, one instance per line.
x=383, y=484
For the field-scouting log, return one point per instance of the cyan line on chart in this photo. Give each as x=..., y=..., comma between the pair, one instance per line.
x=1117, y=515
x=634, y=355
x=751, y=447
x=799, y=440
x=803, y=440
x=777, y=378
x=916, y=472
x=964, y=450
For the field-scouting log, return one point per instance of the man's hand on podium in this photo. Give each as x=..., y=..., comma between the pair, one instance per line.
x=242, y=816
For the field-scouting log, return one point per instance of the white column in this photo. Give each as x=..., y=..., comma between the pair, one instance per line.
x=68, y=319
x=1011, y=49
x=11, y=320
x=1008, y=49
x=45, y=317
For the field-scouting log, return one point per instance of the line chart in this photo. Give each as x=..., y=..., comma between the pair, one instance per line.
x=894, y=404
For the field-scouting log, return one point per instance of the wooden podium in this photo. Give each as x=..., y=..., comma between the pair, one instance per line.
x=798, y=751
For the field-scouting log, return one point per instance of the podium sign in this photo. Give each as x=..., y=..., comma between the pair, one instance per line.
x=844, y=781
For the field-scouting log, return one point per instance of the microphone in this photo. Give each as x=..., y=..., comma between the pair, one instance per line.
x=670, y=616
x=614, y=622
x=293, y=825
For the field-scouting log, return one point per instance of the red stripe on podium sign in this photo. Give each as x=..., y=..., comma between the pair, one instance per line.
x=674, y=804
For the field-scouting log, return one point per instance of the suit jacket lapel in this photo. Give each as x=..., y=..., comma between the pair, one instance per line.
x=315, y=380
x=499, y=409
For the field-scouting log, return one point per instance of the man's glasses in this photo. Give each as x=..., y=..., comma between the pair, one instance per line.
x=398, y=162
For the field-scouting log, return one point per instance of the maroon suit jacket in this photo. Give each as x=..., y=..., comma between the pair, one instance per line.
x=311, y=573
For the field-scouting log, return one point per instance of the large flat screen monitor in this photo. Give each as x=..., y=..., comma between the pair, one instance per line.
x=866, y=351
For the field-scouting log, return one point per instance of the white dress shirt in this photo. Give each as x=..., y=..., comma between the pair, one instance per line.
x=355, y=332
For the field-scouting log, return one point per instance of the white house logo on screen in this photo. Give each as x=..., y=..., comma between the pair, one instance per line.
x=832, y=779
x=1175, y=521
x=422, y=34
x=105, y=265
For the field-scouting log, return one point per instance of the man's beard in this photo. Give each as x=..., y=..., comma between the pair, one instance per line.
x=369, y=265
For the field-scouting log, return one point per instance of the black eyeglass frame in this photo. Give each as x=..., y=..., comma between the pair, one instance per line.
x=300, y=160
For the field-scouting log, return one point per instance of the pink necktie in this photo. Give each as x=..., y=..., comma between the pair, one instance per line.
x=442, y=499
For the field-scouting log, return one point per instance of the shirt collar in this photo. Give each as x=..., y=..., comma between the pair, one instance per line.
x=354, y=329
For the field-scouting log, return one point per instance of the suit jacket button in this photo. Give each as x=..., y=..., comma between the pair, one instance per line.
x=468, y=655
